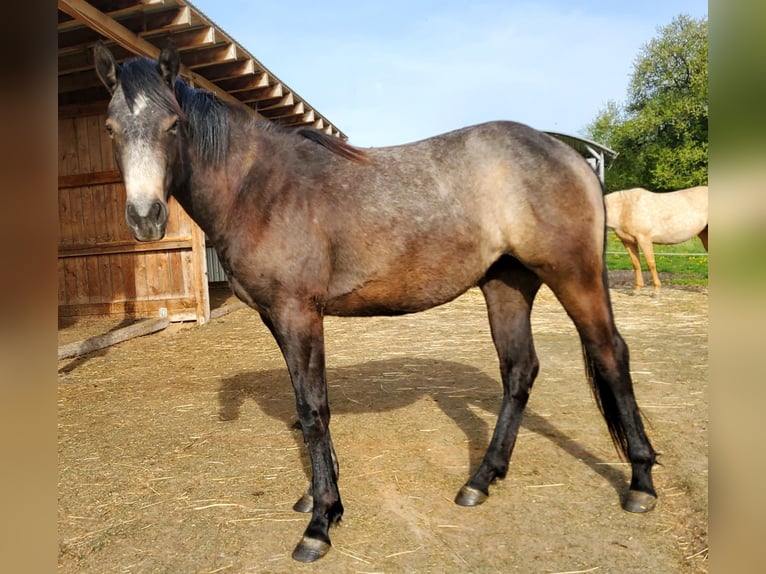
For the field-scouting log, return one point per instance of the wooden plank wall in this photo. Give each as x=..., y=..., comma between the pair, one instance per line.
x=102, y=270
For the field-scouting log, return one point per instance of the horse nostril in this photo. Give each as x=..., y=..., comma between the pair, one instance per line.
x=157, y=213
x=132, y=214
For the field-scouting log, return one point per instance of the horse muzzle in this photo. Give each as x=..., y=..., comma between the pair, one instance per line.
x=147, y=221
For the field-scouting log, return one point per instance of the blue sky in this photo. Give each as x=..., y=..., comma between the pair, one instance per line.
x=391, y=72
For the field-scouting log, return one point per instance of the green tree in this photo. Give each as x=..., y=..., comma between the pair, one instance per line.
x=661, y=132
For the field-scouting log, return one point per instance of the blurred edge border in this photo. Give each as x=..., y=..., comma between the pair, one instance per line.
x=29, y=286
x=28, y=290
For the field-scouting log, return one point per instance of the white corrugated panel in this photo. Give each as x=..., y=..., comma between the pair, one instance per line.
x=215, y=272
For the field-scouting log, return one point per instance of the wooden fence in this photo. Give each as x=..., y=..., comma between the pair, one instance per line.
x=102, y=270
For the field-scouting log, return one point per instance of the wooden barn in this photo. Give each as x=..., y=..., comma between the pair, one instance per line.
x=102, y=270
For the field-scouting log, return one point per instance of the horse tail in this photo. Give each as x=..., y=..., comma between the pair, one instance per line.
x=603, y=391
x=335, y=145
x=607, y=404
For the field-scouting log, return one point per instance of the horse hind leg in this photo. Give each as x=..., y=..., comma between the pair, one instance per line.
x=509, y=290
x=607, y=363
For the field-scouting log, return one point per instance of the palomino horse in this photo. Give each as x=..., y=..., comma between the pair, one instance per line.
x=641, y=218
x=307, y=226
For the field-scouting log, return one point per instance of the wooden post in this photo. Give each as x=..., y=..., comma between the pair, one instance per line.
x=199, y=275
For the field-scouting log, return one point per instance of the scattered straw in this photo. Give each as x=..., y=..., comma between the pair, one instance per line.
x=702, y=553
x=395, y=554
x=351, y=555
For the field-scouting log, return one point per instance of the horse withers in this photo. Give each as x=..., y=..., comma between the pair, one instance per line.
x=641, y=218
x=306, y=225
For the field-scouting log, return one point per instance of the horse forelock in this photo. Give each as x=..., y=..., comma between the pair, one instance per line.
x=204, y=113
x=142, y=86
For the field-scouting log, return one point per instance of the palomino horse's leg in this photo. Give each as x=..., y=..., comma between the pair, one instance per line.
x=632, y=248
x=297, y=327
x=648, y=248
x=606, y=354
x=509, y=289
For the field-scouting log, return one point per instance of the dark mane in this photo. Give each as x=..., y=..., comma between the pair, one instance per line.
x=208, y=116
x=331, y=143
x=208, y=121
x=335, y=145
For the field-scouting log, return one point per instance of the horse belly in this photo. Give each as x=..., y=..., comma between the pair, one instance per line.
x=408, y=285
x=410, y=291
x=677, y=228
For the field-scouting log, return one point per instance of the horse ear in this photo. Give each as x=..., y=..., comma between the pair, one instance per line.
x=169, y=64
x=106, y=67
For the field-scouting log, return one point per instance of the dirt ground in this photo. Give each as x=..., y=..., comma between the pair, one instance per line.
x=177, y=451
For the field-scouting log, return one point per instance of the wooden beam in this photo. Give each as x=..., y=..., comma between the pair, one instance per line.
x=229, y=70
x=285, y=101
x=183, y=39
x=110, y=28
x=138, y=329
x=261, y=94
x=243, y=82
x=220, y=54
x=113, y=247
x=96, y=178
x=178, y=308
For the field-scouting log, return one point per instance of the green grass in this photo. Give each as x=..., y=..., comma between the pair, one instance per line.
x=683, y=260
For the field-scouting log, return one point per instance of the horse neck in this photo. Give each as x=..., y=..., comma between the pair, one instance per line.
x=214, y=189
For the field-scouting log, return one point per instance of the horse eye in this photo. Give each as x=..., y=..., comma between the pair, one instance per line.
x=173, y=128
x=109, y=129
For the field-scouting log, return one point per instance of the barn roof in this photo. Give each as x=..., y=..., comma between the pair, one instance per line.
x=598, y=155
x=211, y=58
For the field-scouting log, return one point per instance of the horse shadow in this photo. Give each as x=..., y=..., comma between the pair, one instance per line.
x=386, y=385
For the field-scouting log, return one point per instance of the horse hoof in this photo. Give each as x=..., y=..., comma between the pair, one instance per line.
x=310, y=549
x=304, y=504
x=469, y=496
x=638, y=501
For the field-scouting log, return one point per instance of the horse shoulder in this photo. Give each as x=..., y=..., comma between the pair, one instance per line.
x=636, y=210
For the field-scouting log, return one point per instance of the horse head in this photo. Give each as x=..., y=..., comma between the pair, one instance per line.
x=146, y=125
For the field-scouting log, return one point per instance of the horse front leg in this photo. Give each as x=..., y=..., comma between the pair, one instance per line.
x=635, y=260
x=298, y=329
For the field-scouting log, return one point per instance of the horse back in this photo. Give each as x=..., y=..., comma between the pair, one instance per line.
x=416, y=225
x=423, y=222
x=664, y=218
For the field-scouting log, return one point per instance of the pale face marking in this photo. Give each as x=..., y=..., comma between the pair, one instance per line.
x=139, y=104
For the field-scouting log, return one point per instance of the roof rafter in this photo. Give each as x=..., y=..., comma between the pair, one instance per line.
x=210, y=58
